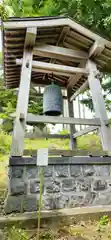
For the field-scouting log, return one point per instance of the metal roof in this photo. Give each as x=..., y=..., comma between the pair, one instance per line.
x=50, y=30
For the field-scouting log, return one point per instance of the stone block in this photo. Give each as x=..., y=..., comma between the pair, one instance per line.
x=76, y=200
x=53, y=201
x=30, y=204
x=34, y=186
x=75, y=171
x=82, y=199
x=64, y=201
x=17, y=172
x=89, y=198
x=83, y=184
x=13, y=204
x=52, y=187
x=17, y=187
x=102, y=199
x=68, y=185
x=61, y=171
x=48, y=171
x=88, y=170
x=31, y=172
x=102, y=171
x=109, y=183
x=99, y=184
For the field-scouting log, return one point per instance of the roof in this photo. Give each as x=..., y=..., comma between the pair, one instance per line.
x=56, y=31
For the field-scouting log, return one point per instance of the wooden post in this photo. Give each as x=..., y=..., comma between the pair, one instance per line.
x=23, y=96
x=71, y=114
x=99, y=105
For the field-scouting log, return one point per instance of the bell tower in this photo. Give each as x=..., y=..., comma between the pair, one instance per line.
x=58, y=54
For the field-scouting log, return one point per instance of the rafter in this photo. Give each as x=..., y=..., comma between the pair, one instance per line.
x=51, y=51
x=80, y=90
x=74, y=79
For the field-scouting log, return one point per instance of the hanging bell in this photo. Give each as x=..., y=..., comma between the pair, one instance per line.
x=52, y=100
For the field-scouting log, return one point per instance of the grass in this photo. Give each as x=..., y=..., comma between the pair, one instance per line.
x=89, y=142
x=66, y=229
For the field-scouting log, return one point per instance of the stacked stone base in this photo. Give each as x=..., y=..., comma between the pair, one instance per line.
x=67, y=184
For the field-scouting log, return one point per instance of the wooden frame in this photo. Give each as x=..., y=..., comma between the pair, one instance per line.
x=31, y=118
x=22, y=104
x=99, y=105
x=51, y=51
x=55, y=68
x=64, y=48
x=85, y=131
x=71, y=114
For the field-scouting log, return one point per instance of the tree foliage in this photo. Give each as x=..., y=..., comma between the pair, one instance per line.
x=94, y=14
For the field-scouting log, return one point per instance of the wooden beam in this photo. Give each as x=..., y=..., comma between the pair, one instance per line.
x=54, y=68
x=99, y=105
x=43, y=135
x=60, y=160
x=85, y=131
x=97, y=48
x=80, y=90
x=71, y=114
x=74, y=79
x=23, y=96
x=31, y=118
x=51, y=51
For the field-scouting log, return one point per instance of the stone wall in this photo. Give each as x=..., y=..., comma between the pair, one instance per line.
x=67, y=184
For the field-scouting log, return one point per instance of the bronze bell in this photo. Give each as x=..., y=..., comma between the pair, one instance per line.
x=52, y=100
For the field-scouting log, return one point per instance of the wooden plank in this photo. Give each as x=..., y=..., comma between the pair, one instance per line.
x=80, y=90
x=85, y=131
x=97, y=48
x=99, y=105
x=74, y=79
x=71, y=114
x=23, y=96
x=50, y=67
x=82, y=38
x=31, y=118
x=51, y=51
x=66, y=153
x=43, y=135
